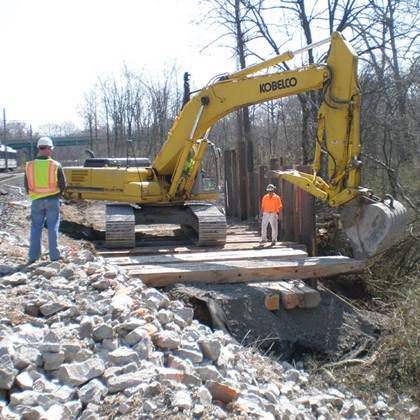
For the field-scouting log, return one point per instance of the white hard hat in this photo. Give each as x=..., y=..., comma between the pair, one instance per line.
x=45, y=142
x=270, y=187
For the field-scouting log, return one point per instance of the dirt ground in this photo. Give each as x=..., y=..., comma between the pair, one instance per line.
x=15, y=220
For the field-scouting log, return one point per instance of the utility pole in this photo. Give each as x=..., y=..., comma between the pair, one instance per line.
x=5, y=138
x=31, y=141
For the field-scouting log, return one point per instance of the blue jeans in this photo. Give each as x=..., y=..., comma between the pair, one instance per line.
x=44, y=210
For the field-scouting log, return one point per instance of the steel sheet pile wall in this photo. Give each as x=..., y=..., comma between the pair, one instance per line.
x=244, y=190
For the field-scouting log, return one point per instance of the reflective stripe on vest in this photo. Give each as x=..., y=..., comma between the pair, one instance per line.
x=41, y=184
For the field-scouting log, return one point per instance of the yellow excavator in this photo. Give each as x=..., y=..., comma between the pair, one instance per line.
x=186, y=171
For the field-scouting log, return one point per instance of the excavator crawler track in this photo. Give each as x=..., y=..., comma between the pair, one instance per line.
x=204, y=224
x=120, y=226
x=209, y=226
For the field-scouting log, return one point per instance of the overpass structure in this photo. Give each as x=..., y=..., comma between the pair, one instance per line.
x=58, y=141
x=27, y=147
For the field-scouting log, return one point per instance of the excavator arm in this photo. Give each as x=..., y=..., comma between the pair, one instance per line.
x=338, y=129
x=222, y=98
x=230, y=93
x=338, y=118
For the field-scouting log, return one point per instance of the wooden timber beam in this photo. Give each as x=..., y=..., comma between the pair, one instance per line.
x=234, y=271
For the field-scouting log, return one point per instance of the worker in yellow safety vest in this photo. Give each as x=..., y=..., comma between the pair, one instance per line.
x=189, y=163
x=44, y=182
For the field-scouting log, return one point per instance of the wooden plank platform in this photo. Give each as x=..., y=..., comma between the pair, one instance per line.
x=209, y=256
x=168, y=246
x=173, y=249
x=242, y=259
x=235, y=271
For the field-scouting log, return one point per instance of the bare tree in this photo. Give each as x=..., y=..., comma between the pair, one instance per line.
x=390, y=53
x=162, y=109
x=89, y=114
x=14, y=129
x=132, y=108
x=334, y=15
x=231, y=15
x=58, y=130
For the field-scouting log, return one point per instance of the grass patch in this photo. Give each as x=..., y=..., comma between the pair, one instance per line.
x=391, y=367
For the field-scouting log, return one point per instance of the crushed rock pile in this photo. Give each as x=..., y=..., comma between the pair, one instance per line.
x=82, y=339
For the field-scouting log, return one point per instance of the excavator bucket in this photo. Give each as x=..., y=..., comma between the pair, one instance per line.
x=374, y=227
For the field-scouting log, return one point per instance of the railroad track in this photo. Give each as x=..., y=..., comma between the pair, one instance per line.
x=10, y=177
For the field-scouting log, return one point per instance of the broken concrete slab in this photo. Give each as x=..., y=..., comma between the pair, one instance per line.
x=333, y=327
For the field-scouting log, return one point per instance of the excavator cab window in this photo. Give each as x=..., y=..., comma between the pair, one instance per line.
x=209, y=169
x=207, y=179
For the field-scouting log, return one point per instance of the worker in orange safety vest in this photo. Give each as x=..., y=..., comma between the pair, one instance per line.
x=44, y=182
x=270, y=213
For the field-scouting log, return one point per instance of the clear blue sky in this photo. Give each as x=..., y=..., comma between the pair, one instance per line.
x=54, y=50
